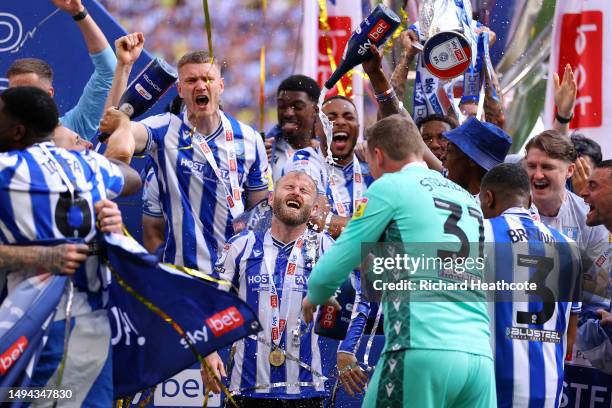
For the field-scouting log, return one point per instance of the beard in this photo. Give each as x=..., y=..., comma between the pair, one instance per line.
x=289, y=217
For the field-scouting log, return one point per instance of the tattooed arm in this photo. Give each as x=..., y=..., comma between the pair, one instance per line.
x=61, y=259
x=391, y=106
x=380, y=84
x=400, y=73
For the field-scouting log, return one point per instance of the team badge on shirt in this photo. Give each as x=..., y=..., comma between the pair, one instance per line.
x=360, y=208
x=571, y=232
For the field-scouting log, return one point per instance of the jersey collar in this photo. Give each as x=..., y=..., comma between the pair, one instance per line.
x=415, y=164
x=520, y=211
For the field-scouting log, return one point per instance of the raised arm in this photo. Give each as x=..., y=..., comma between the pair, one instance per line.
x=400, y=73
x=128, y=49
x=84, y=117
x=92, y=34
x=388, y=104
x=565, y=99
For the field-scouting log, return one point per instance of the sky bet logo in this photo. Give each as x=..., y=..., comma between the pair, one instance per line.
x=225, y=321
x=10, y=356
x=379, y=29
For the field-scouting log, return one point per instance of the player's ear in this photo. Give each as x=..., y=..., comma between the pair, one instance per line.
x=271, y=198
x=380, y=156
x=489, y=199
x=570, y=171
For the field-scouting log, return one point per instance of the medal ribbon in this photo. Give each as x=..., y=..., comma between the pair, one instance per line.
x=232, y=194
x=357, y=188
x=277, y=325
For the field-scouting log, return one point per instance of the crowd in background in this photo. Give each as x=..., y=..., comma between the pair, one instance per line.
x=173, y=27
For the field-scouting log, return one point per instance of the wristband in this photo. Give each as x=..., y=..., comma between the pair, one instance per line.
x=386, y=96
x=563, y=120
x=80, y=16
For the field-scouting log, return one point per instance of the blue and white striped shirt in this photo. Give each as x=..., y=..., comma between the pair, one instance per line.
x=345, y=185
x=529, y=357
x=192, y=198
x=245, y=262
x=35, y=204
x=312, y=162
x=151, y=205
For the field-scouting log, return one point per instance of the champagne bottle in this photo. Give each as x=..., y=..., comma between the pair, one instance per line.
x=146, y=89
x=375, y=29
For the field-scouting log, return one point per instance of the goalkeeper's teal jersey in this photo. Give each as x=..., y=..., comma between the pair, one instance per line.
x=418, y=207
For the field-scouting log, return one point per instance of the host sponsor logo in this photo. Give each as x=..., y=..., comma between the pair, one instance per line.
x=258, y=280
x=12, y=354
x=225, y=321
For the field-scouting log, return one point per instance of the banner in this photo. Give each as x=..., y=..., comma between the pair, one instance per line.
x=579, y=40
x=343, y=16
x=25, y=315
x=585, y=386
x=147, y=345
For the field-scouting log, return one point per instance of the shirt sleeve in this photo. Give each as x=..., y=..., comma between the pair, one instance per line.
x=85, y=116
x=111, y=174
x=157, y=127
x=368, y=224
x=228, y=264
x=359, y=318
x=257, y=178
x=151, y=205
